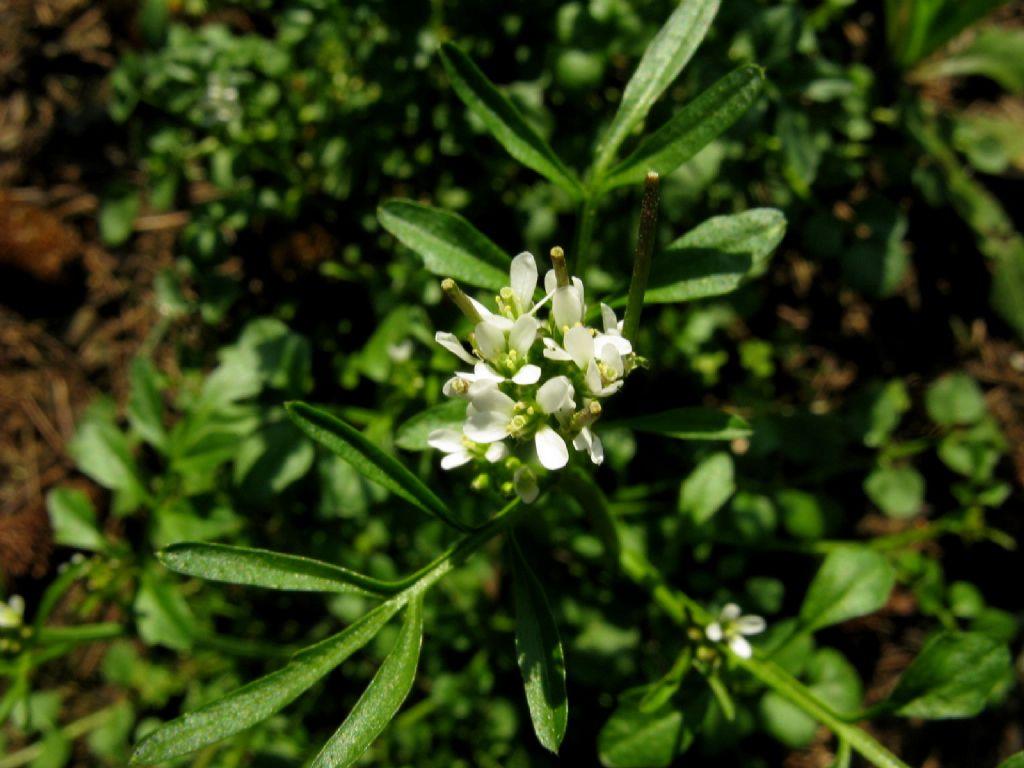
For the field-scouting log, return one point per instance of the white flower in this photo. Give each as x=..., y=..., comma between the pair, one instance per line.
x=731, y=627
x=451, y=342
x=598, y=356
x=488, y=416
x=566, y=301
x=509, y=349
x=453, y=445
x=12, y=612
x=522, y=276
x=555, y=399
x=588, y=441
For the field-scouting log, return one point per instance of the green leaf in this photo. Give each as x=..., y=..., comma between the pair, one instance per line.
x=716, y=256
x=692, y=423
x=692, y=128
x=707, y=488
x=261, y=698
x=145, y=405
x=272, y=458
x=853, y=581
x=664, y=59
x=954, y=676
x=995, y=53
x=162, y=615
x=1013, y=761
x=634, y=738
x=368, y=459
x=898, y=491
x=504, y=121
x=266, y=569
x=955, y=399
x=73, y=519
x=449, y=245
x=382, y=698
x=539, y=652
x=102, y=452
x=117, y=214
x=412, y=435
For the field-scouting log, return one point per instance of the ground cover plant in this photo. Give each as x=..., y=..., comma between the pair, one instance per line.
x=619, y=384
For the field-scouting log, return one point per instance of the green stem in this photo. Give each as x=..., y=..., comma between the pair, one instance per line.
x=585, y=232
x=642, y=262
x=71, y=731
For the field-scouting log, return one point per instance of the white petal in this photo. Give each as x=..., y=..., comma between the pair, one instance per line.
x=593, y=378
x=551, y=448
x=447, y=440
x=554, y=352
x=550, y=281
x=451, y=342
x=523, y=277
x=730, y=612
x=525, y=483
x=482, y=372
x=750, y=625
x=580, y=344
x=587, y=441
x=496, y=452
x=490, y=398
x=528, y=374
x=499, y=320
x=566, y=306
x=620, y=343
x=453, y=460
x=610, y=357
x=555, y=395
x=608, y=320
x=485, y=426
x=489, y=339
x=523, y=333
x=740, y=647
x=714, y=632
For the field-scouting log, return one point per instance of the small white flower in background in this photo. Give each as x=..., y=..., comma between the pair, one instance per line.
x=536, y=380
x=731, y=628
x=12, y=612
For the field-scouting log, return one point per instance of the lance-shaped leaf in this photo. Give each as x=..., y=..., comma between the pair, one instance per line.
x=692, y=128
x=716, y=256
x=449, y=245
x=381, y=699
x=539, y=651
x=664, y=59
x=692, y=423
x=504, y=121
x=412, y=435
x=270, y=570
x=955, y=675
x=853, y=581
x=367, y=458
x=261, y=698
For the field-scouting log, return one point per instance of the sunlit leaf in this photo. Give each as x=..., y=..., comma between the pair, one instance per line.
x=504, y=121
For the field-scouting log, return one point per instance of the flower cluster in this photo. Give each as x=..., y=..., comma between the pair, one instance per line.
x=536, y=382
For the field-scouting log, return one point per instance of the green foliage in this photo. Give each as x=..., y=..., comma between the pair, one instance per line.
x=851, y=582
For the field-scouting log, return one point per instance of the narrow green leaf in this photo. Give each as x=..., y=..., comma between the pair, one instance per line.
x=412, y=435
x=716, y=256
x=449, y=245
x=853, y=581
x=382, y=698
x=368, y=459
x=664, y=59
x=954, y=676
x=692, y=128
x=539, y=651
x=692, y=423
x=504, y=121
x=270, y=570
x=261, y=698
